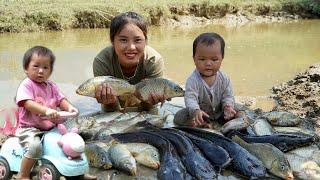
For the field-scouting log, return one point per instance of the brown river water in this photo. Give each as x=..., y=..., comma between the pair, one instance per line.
x=257, y=56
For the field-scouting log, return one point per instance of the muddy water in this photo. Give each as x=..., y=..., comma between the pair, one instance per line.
x=257, y=56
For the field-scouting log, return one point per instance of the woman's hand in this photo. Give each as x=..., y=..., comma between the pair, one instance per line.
x=155, y=99
x=229, y=112
x=106, y=95
x=198, y=118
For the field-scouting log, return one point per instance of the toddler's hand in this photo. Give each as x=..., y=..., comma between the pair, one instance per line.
x=73, y=109
x=198, y=118
x=52, y=114
x=229, y=112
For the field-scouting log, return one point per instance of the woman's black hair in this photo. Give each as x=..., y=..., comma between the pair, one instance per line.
x=122, y=19
x=208, y=39
x=40, y=51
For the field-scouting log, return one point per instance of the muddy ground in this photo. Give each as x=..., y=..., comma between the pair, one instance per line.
x=301, y=96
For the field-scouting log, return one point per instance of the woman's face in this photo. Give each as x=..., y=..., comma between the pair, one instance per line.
x=129, y=45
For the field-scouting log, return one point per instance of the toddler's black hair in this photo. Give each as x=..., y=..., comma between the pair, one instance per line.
x=40, y=51
x=208, y=39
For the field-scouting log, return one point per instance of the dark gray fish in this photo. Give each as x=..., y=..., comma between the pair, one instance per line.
x=217, y=156
x=243, y=162
x=170, y=164
x=197, y=165
x=284, y=142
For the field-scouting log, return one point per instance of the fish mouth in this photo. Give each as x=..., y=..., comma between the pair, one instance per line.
x=289, y=176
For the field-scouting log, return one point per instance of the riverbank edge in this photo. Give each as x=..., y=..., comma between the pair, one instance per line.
x=99, y=16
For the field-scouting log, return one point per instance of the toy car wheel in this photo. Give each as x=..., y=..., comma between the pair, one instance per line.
x=5, y=172
x=48, y=172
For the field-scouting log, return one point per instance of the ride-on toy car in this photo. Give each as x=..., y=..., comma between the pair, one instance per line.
x=51, y=165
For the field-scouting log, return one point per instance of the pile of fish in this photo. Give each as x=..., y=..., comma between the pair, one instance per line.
x=257, y=145
x=191, y=153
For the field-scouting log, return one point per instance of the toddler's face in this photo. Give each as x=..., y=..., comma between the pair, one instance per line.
x=208, y=58
x=39, y=68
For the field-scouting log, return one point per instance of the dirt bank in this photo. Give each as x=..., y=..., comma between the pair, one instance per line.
x=63, y=14
x=301, y=96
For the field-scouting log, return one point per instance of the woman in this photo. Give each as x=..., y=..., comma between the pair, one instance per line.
x=127, y=58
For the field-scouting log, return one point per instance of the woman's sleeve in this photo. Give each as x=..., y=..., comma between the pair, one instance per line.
x=99, y=68
x=154, y=67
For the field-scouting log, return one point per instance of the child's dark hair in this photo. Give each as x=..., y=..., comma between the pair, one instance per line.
x=208, y=39
x=122, y=19
x=40, y=51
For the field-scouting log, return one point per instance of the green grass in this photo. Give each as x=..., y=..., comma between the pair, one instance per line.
x=41, y=15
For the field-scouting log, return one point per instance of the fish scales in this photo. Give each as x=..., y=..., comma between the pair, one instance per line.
x=122, y=159
x=88, y=88
x=158, y=86
x=145, y=154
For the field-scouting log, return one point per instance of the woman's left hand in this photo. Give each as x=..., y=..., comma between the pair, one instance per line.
x=156, y=98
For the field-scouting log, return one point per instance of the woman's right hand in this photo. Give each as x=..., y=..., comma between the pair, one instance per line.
x=106, y=95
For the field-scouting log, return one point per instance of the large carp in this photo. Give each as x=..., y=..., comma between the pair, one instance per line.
x=122, y=159
x=272, y=158
x=158, y=86
x=243, y=162
x=145, y=154
x=284, y=142
x=170, y=166
x=125, y=91
x=197, y=165
x=88, y=88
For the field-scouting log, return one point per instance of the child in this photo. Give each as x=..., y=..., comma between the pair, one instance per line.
x=36, y=97
x=208, y=94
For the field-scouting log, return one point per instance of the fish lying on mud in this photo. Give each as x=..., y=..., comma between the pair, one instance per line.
x=235, y=124
x=145, y=154
x=272, y=158
x=158, y=86
x=122, y=159
x=197, y=165
x=217, y=156
x=262, y=127
x=308, y=152
x=302, y=168
x=125, y=125
x=98, y=155
x=170, y=164
x=242, y=161
x=284, y=142
x=282, y=118
x=293, y=130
